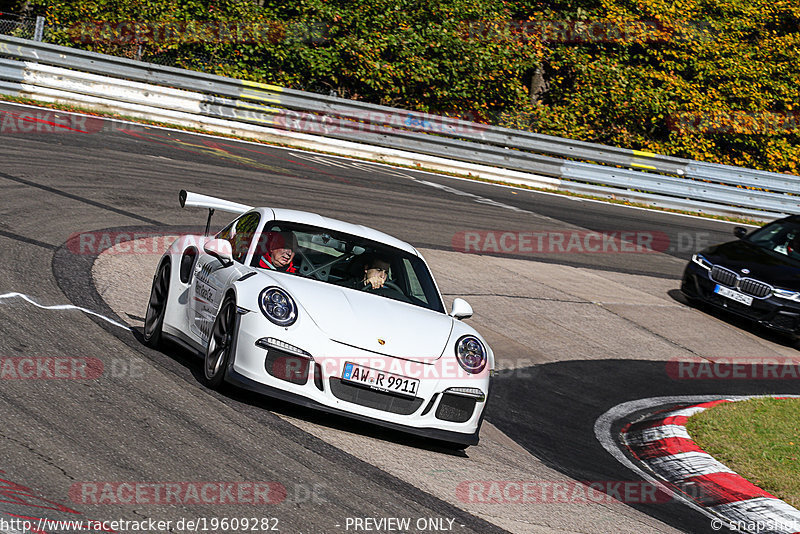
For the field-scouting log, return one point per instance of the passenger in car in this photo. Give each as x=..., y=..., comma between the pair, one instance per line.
x=280, y=250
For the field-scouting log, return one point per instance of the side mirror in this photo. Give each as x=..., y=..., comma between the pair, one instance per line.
x=461, y=309
x=740, y=232
x=220, y=249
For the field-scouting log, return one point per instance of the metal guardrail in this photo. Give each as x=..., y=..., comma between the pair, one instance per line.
x=55, y=72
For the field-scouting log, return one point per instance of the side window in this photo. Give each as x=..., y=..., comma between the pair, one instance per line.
x=420, y=284
x=240, y=234
x=413, y=282
x=226, y=232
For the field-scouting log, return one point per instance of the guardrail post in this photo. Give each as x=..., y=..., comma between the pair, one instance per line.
x=38, y=33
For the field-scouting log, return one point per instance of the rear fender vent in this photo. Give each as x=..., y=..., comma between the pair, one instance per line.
x=187, y=264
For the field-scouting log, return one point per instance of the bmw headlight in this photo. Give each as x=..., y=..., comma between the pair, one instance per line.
x=278, y=306
x=471, y=354
x=786, y=294
x=702, y=262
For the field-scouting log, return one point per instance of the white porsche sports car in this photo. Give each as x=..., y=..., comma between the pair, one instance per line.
x=315, y=330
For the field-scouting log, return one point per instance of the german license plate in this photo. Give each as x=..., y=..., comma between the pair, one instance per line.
x=380, y=380
x=734, y=295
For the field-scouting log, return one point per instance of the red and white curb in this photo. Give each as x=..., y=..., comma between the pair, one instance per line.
x=669, y=456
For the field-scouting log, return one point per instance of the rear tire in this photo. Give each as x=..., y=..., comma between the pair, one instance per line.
x=221, y=343
x=157, y=306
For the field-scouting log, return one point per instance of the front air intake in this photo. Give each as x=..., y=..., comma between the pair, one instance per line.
x=455, y=408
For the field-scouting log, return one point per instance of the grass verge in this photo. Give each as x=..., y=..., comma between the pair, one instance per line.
x=757, y=438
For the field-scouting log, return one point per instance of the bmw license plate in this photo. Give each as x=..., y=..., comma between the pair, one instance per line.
x=734, y=295
x=380, y=380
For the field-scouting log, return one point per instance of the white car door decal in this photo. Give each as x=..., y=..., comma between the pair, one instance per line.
x=210, y=280
x=205, y=298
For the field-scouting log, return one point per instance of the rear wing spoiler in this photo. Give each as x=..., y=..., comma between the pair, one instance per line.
x=193, y=200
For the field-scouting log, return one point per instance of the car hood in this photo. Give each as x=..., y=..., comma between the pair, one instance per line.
x=360, y=319
x=765, y=265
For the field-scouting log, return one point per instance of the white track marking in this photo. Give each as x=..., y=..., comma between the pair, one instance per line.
x=480, y=199
x=60, y=307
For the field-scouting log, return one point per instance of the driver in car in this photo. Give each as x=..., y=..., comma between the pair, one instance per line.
x=280, y=247
x=792, y=245
x=376, y=272
x=376, y=279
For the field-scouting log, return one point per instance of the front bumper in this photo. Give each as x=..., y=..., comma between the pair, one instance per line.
x=436, y=411
x=778, y=314
x=246, y=383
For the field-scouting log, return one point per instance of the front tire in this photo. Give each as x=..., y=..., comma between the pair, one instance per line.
x=221, y=343
x=157, y=306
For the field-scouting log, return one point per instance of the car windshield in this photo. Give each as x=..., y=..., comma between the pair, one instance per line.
x=340, y=259
x=781, y=237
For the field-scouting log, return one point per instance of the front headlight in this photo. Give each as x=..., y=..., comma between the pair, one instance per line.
x=786, y=294
x=278, y=306
x=702, y=262
x=471, y=354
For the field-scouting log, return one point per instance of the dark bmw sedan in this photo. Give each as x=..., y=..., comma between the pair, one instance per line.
x=756, y=276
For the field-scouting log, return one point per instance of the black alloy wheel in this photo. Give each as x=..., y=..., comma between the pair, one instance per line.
x=220, y=345
x=157, y=306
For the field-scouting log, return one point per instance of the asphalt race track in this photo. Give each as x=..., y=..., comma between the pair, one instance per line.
x=576, y=332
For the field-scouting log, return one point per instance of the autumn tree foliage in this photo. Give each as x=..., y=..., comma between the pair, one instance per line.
x=703, y=79
x=714, y=80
